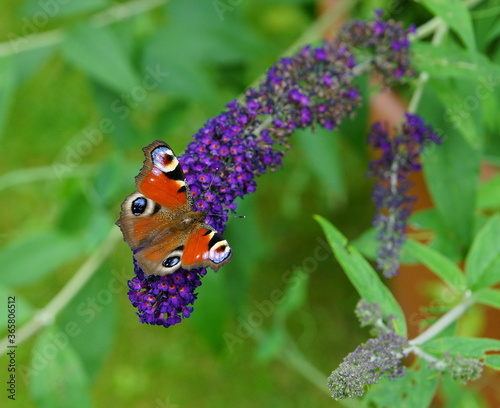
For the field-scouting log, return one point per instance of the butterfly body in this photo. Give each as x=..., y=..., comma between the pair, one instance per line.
x=158, y=221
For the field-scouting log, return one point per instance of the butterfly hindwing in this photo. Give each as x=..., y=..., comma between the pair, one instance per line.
x=205, y=247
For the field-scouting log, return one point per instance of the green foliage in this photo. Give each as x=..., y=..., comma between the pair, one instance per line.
x=456, y=15
x=57, y=376
x=443, y=267
x=416, y=389
x=363, y=276
x=488, y=197
x=452, y=174
x=85, y=84
x=469, y=347
x=483, y=261
x=30, y=258
x=101, y=55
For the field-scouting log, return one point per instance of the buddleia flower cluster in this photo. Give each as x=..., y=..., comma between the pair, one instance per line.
x=399, y=157
x=383, y=356
x=460, y=368
x=376, y=358
x=313, y=87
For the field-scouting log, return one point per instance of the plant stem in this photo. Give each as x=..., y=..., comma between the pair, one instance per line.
x=445, y=320
x=47, y=315
x=440, y=29
x=428, y=28
x=423, y=355
x=19, y=44
x=37, y=174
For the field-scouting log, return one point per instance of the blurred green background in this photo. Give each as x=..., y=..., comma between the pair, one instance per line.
x=84, y=85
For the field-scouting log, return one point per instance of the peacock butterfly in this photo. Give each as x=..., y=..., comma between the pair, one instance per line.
x=158, y=221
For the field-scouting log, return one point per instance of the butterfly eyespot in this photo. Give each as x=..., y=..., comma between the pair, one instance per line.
x=171, y=261
x=164, y=159
x=219, y=249
x=139, y=206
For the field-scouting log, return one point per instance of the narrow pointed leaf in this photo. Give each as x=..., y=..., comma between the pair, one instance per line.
x=363, y=277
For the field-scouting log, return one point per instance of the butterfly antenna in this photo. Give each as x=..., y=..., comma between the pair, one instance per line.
x=228, y=215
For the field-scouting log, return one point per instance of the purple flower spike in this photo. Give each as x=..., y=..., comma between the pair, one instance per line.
x=313, y=87
x=399, y=157
x=164, y=300
x=378, y=357
x=389, y=43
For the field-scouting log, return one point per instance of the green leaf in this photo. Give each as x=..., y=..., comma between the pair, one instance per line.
x=488, y=197
x=28, y=259
x=201, y=37
x=457, y=16
x=198, y=41
x=443, y=241
x=295, y=295
x=98, y=52
x=98, y=228
x=8, y=75
x=426, y=219
x=493, y=362
x=118, y=113
x=75, y=212
x=482, y=267
x=446, y=62
x=110, y=179
x=291, y=301
x=56, y=375
x=464, y=346
x=90, y=317
x=183, y=77
x=362, y=275
x=463, y=107
x=28, y=61
x=414, y=390
x=272, y=344
x=452, y=173
x=59, y=9
x=488, y=296
x=323, y=156
x=444, y=268
x=455, y=395
x=368, y=245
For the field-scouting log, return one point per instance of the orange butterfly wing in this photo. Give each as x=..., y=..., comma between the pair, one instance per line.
x=205, y=247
